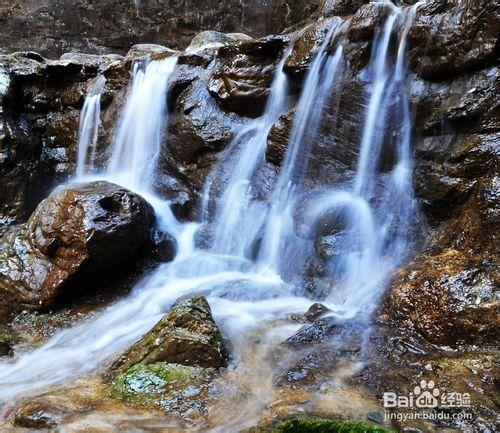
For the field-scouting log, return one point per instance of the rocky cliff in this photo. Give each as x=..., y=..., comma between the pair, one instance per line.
x=53, y=27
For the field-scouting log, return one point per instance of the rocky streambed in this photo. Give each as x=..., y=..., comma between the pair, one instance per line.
x=70, y=251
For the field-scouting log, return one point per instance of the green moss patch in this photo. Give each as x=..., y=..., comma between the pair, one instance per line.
x=152, y=384
x=299, y=425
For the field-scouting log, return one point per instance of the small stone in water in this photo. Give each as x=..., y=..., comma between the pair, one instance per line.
x=375, y=416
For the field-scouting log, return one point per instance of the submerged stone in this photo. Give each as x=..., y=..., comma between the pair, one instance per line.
x=38, y=415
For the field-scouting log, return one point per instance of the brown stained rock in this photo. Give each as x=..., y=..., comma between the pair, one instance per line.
x=80, y=232
x=449, y=294
x=450, y=38
x=187, y=335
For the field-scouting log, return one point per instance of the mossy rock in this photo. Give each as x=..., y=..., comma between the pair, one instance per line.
x=187, y=335
x=312, y=425
x=164, y=385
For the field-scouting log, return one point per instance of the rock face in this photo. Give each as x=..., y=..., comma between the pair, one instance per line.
x=241, y=83
x=450, y=38
x=79, y=233
x=450, y=293
x=187, y=335
x=54, y=27
x=40, y=114
x=174, y=365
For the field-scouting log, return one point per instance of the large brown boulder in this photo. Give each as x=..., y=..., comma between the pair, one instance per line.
x=80, y=233
x=187, y=335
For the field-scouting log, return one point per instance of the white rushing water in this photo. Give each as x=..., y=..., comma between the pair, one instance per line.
x=247, y=270
x=90, y=122
x=141, y=126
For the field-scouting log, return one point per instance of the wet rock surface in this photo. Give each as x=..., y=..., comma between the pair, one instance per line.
x=41, y=109
x=173, y=387
x=175, y=364
x=79, y=232
x=187, y=335
x=450, y=38
x=242, y=81
x=449, y=294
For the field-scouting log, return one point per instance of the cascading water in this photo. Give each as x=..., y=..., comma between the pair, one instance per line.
x=89, y=127
x=374, y=218
x=279, y=226
x=372, y=237
x=235, y=202
x=141, y=127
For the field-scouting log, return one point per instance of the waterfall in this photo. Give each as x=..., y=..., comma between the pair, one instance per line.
x=89, y=128
x=374, y=214
x=374, y=218
x=322, y=73
x=235, y=206
x=141, y=126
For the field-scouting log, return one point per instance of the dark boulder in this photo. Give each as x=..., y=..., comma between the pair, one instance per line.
x=79, y=233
